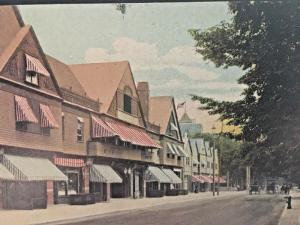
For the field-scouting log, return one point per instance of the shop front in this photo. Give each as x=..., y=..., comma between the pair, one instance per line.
x=102, y=178
x=77, y=174
x=157, y=182
x=29, y=184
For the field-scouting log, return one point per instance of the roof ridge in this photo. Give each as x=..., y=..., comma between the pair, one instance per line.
x=13, y=45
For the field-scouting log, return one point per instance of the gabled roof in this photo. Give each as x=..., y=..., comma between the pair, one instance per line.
x=101, y=80
x=185, y=118
x=160, y=111
x=64, y=76
x=10, y=24
x=10, y=48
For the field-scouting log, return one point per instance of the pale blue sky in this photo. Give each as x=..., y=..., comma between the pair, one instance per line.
x=152, y=37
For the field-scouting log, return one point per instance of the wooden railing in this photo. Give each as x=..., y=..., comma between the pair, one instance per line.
x=85, y=101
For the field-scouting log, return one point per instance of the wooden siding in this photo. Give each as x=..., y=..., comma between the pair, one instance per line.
x=70, y=143
x=33, y=140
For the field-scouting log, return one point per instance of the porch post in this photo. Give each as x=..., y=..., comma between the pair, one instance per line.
x=131, y=183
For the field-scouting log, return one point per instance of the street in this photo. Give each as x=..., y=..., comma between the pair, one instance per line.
x=234, y=210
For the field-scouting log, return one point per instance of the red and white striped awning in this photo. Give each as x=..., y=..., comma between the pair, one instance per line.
x=47, y=118
x=33, y=64
x=100, y=129
x=196, y=179
x=68, y=162
x=126, y=133
x=23, y=111
x=134, y=135
x=205, y=179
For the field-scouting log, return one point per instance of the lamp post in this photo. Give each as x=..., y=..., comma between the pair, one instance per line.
x=214, y=184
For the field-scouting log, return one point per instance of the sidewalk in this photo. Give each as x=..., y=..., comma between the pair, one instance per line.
x=56, y=213
x=292, y=216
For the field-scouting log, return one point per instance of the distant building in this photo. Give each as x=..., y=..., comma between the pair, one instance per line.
x=189, y=126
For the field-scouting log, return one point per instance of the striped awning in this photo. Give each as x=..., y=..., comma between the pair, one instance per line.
x=205, y=179
x=182, y=151
x=100, y=129
x=170, y=149
x=47, y=118
x=5, y=174
x=23, y=111
x=176, y=150
x=154, y=174
x=32, y=169
x=104, y=174
x=175, y=179
x=131, y=134
x=196, y=179
x=69, y=162
x=219, y=179
x=33, y=64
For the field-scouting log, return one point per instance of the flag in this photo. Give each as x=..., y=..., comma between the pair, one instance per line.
x=180, y=105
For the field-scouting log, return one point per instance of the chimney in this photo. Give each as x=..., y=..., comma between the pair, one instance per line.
x=144, y=94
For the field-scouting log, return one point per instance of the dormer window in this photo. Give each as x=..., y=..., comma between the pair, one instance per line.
x=34, y=68
x=127, y=100
x=32, y=78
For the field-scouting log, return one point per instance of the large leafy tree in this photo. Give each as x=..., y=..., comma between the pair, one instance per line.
x=263, y=39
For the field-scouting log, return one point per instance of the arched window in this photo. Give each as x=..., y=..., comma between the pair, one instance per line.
x=127, y=99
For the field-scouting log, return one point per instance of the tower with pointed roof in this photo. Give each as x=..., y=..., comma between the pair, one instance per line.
x=189, y=126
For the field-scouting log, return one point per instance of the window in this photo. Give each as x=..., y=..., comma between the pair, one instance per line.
x=203, y=165
x=22, y=126
x=127, y=100
x=80, y=129
x=32, y=78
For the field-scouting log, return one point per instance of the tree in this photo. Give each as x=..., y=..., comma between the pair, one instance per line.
x=263, y=40
x=230, y=151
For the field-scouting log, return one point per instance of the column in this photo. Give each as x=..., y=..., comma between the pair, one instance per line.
x=86, y=179
x=50, y=192
x=144, y=184
x=108, y=192
x=131, y=184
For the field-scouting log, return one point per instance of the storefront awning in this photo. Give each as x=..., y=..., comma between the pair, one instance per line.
x=100, y=129
x=23, y=111
x=69, y=162
x=33, y=64
x=32, y=169
x=134, y=135
x=5, y=174
x=47, y=118
x=154, y=174
x=205, y=179
x=104, y=174
x=196, y=179
x=175, y=179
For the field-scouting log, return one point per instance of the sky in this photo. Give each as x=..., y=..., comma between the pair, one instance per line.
x=154, y=39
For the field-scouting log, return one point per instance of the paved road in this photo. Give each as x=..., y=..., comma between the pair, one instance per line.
x=238, y=210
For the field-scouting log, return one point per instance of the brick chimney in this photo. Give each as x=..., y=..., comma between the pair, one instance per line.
x=144, y=94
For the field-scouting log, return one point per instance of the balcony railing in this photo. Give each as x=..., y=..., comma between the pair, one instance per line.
x=85, y=101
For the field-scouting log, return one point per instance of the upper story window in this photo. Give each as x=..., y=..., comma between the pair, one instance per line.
x=127, y=100
x=34, y=68
x=32, y=78
x=80, y=126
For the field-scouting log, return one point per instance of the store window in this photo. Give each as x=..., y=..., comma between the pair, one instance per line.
x=80, y=126
x=70, y=187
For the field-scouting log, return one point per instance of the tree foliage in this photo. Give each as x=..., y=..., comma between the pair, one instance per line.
x=263, y=39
